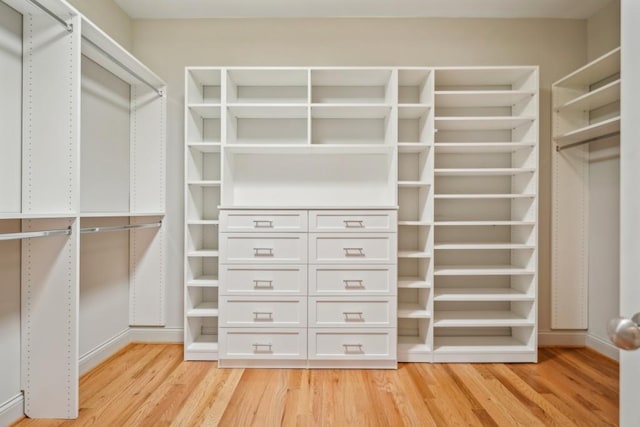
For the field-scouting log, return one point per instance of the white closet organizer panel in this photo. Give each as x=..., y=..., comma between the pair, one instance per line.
x=275, y=280
x=352, y=280
x=363, y=248
x=265, y=248
x=369, y=312
x=354, y=221
x=263, y=221
x=251, y=343
x=354, y=344
x=263, y=312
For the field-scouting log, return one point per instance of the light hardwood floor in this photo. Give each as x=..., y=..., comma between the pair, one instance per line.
x=150, y=385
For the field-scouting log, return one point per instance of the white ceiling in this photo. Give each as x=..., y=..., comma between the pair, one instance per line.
x=159, y=9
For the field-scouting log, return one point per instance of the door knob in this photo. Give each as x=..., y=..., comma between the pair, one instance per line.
x=625, y=333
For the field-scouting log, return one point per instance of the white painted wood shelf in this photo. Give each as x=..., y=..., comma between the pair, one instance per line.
x=479, y=319
x=481, y=294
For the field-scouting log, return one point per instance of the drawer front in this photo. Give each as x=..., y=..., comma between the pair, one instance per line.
x=352, y=249
x=347, y=280
x=352, y=221
x=349, y=313
x=366, y=344
x=263, y=312
x=263, y=248
x=246, y=279
x=263, y=221
x=240, y=343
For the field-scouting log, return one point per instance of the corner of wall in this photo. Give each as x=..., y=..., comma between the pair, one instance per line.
x=603, y=30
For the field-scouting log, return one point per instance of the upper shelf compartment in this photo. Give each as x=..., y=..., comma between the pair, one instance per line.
x=352, y=86
x=267, y=86
x=597, y=70
x=415, y=86
x=486, y=79
x=203, y=86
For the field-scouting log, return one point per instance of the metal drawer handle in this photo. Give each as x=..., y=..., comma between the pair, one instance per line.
x=353, y=283
x=354, y=223
x=262, y=223
x=262, y=348
x=353, y=316
x=262, y=251
x=353, y=252
x=262, y=316
x=353, y=348
x=263, y=284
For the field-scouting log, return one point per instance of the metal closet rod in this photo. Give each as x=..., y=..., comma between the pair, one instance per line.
x=120, y=227
x=33, y=234
x=586, y=141
x=69, y=27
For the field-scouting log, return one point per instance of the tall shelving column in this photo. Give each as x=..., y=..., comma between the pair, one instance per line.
x=415, y=218
x=203, y=136
x=485, y=240
x=586, y=108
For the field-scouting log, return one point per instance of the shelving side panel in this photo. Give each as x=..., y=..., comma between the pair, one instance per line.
x=51, y=116
x=148, y=150
x=10, y=110
x=147, y=267
x=105, y=135
x=49, y=324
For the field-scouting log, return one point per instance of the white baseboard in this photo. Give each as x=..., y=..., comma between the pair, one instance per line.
x=559, y=339
x=155, y=334
x=93, y=358
x=12, y=410
x=603, y=347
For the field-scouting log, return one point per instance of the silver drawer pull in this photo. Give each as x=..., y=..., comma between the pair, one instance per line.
x=262, y=316
x=353, y=252
x=262, y=251
x=353, y=348
x=354, y=223
x=263, y=284
x=353, y=283
x=262, y=348
x=262, y=223
x=353, y=316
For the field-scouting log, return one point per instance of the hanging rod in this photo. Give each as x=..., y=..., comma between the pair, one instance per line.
x=33, y=234
x=120, y=227
x=159, y=92
x=67, y=25
x=586, y=141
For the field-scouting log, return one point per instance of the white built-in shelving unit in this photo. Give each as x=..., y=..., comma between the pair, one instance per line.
x=89, y=158
x=485, y=207
x=586, y=108
x=453, y=151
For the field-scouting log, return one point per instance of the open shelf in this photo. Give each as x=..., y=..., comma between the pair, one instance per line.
x=350, y=111
x=413, y=184
x=412, y=311
x=413, y=254
x=203, y=254
x=409, y=223
x=597, y=70
x=205, y=147
x=479, y=319
x=204, y=309
x=484, y=196
x=410, y=344
x=481, y=270
x=309, y=148
x=473, y=246
x=480, y=344
x=481, y=171
x=481, y=98
x=482, y=123
x=481, y=147
x=413, y=147
x=597, y=98
x=207, y=281
x=203, y=183
x=480, y=223
x=408, y=282
x=481, y=294
x=589, y=132
x=203, y=343
x=205, y=111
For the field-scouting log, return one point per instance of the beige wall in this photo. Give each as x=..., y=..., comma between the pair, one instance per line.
x=167, y=46
x=603, y=30
x=109, y=17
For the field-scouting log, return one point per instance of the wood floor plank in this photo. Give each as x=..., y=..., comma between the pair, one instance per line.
x=150, y=385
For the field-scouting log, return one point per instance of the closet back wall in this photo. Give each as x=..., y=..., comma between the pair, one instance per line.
x=167, y=46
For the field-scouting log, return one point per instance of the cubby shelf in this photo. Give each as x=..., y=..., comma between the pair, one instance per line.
x=205, y=147
x=481, y=294
x=408, y=223
x=203, y=282
x=203, y=254
x=481, y=147
x=205, y=111
x=481, y=98
x=482, y=123
x=204, y=309
x=409, y=344
x=407, y=282
x=480, y=344
x=203, y=343
x=479, y=319
x=413, y=254
x=412, y=311
x=488, y=246
x=481, y=223
x=482, y=270
x=413, y=147
x=413, y=184
x=481, y=171
x=483, y=196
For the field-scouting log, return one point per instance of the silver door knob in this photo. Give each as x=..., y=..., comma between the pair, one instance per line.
x=625, y=333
